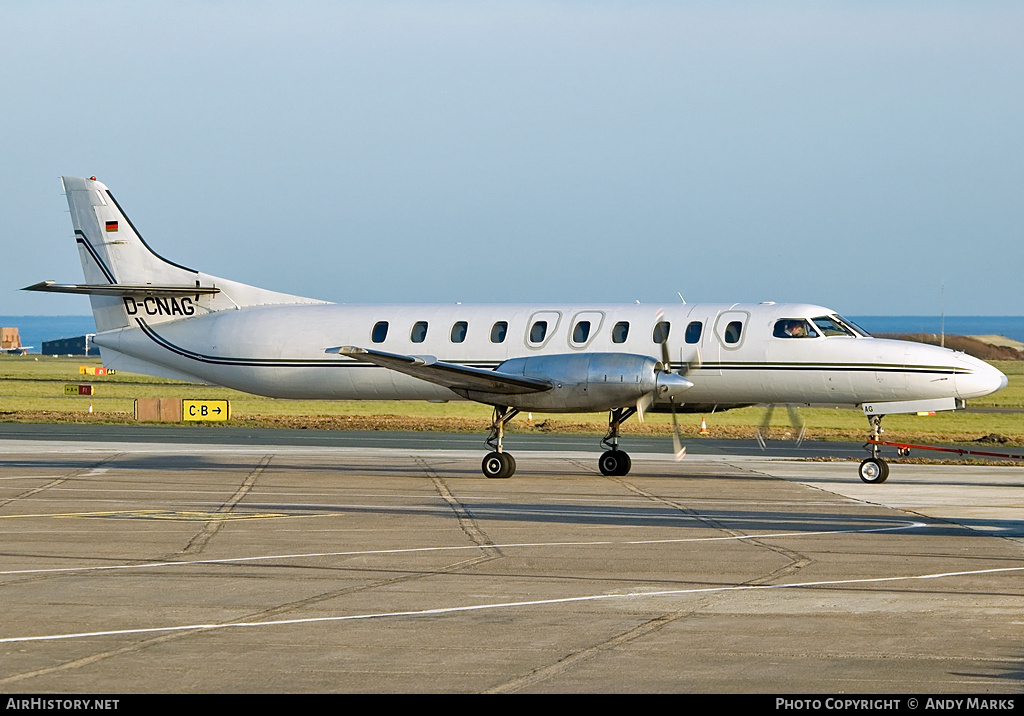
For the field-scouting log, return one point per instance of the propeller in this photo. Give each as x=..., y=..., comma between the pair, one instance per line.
x=670, y=384
x=795, y=421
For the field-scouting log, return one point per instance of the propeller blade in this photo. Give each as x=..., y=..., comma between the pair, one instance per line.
x=795, y=421
x=666, y=358
x=677, y=443
x=642, y=404
x=765, y=426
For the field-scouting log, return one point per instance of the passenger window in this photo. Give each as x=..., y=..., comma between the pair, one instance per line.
x=419, y=332
x=380, y=332
x=581, y=332
x=620, y=332
x=538, y=331
x=498, y=331
x=459, y=332
x=732, y=332
x=693, y=332
x=661, y=332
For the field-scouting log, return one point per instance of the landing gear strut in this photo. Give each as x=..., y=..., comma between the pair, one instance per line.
x=499, y=464
x=615, y=462
x=874, y=470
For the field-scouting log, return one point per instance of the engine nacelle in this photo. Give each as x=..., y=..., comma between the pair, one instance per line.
x=585, y=382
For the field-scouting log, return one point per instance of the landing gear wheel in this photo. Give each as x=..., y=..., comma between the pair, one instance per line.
x=614, y=463
x=498, y=465
x=874, y=470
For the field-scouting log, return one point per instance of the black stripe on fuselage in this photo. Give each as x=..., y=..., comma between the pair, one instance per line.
x=218, y=360
x=334, y=363
x=275, y=362
x=837, y=367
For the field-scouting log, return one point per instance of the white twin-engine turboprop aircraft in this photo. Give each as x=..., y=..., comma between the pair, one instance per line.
x=156, y=317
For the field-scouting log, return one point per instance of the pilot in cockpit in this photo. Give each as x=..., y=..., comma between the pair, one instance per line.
x=790, y=328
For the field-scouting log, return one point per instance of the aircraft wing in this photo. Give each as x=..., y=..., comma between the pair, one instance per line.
x=449, y=375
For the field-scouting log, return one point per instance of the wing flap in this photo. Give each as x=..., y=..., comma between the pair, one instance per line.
x=449, y=375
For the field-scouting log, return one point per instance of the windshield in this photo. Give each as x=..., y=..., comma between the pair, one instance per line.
x=836, y=326
x=854, y=326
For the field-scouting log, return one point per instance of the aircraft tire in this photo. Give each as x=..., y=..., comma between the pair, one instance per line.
x=614, y=463
x=498, y=465
x=874, y=471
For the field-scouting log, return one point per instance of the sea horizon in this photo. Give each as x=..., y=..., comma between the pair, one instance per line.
x=36, y=329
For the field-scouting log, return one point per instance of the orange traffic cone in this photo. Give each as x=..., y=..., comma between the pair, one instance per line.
x=703, y=427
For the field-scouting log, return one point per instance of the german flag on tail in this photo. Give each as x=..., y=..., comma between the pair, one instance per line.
x=111, y=226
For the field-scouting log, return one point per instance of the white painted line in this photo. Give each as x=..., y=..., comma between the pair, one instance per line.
x=507, y=605
x=510, y=545
x=32, y=477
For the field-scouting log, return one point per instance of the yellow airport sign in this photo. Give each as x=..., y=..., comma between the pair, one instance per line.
x=205, y=410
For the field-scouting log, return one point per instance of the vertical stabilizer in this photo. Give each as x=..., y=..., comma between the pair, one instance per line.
x=113, y=253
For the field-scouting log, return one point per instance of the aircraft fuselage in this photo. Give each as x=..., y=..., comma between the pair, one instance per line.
x=278, y=351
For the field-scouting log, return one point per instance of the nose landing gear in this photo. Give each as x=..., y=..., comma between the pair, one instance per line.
x=874, y=470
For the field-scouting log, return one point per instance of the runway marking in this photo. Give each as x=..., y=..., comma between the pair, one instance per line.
x=30, y=477
x=174, y=515
x=509, y=605
x=178, y=516
x=319, y=510
x=595, y=543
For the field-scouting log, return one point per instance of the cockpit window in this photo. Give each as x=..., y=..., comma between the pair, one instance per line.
x=850, y=324
x=832, y=326
x=794, y=328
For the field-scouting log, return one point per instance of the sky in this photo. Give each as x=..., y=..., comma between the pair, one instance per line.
x=866, y=156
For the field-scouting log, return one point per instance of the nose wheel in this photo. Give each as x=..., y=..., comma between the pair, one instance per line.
x=874, y=470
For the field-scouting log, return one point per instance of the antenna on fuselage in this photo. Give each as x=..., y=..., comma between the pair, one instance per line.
x=942, y=325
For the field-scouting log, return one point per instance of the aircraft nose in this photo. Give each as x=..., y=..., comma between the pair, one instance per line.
x=982, y=379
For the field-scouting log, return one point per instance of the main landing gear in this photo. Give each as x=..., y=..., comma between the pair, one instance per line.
x=499, y=464
x=874, y=470
x=615, y=462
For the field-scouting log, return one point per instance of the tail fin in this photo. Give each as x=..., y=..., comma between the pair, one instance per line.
x=112, y=250
x=124, y=276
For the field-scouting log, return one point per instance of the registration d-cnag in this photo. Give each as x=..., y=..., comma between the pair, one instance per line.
x=158, y=317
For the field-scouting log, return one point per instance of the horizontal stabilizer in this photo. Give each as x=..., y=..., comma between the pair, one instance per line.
x=121, y=289
x=449, y=375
